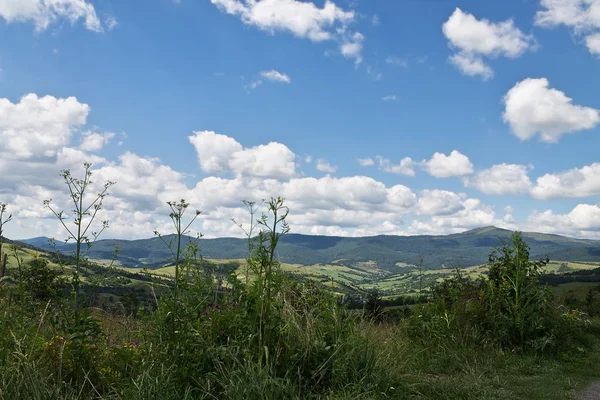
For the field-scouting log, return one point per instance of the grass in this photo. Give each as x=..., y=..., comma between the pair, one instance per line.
x=365, y=275
x=404, y=367
x=578, y=289
x=454, y=372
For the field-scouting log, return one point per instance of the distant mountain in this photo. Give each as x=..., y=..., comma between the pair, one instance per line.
x=42, y=242
x=456, y=250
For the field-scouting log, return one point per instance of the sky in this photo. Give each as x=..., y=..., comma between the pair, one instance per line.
x=373, y=117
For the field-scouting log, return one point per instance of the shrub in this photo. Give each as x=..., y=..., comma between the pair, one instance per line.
x=510, y=308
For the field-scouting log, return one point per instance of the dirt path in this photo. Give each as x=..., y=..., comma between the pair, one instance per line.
x=591, y=393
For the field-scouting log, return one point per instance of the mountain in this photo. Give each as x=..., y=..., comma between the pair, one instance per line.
x=42, y=242
x=456, y=250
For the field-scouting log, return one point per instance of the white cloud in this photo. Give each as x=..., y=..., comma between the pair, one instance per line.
x=582, y=221
x=365, y=162
x=276, y=76
x=593, y=43
x=45, y=12
x=583, y=16
x=439, y=202
x=38, y=127
x=405, y=167
x=577, y=182
x=271, y=76
x=111, y=22
x=93, y=141
x=474, y=39
x=501, y=179
x=472, y=65
x=347, y=206
x=352, y=47
x=324, y=166
x=446, y=166
x=397, y=61
x=221, y=154
x=302, y=19
x=254, y=84
x=391, y=97
x=270, y=160
x=473, y=215
x=143, y=183
x=401, y=196
x=356, y=193
x=214, y=150
x=533, y=107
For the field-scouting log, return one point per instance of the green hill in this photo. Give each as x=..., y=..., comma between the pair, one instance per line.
x=457, y=250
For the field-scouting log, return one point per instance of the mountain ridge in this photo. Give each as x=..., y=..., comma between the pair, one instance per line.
x=463, y=249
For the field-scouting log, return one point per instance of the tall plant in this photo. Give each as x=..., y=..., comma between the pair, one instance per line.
x=175, y=245
x=252, y=210
x=265, y=267
x=84, y=213
x=3, y=220
x=517, y=297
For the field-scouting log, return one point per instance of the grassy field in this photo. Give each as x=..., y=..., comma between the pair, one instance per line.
x=364, y=276
x=398, y=363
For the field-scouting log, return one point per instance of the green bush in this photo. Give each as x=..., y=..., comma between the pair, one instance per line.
x=509, y=308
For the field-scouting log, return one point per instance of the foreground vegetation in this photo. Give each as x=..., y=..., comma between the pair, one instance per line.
x=209, y=332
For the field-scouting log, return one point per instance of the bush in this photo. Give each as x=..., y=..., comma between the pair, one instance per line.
x=510, y=308
x=41, y=282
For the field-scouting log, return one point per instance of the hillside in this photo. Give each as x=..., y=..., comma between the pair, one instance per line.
x=457, y=250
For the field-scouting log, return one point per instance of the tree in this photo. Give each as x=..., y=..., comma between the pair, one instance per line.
x=374, y=304
x=39, y=280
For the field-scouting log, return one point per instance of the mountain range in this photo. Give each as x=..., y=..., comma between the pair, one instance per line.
x=456, y=250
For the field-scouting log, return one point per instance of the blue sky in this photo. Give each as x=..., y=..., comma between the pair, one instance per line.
x=220, y=100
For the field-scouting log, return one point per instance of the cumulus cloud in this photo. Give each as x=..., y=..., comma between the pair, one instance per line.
x=214, y=150
x=582, y=16
x=405, y=167
x=348, y=206
x=365, y=162
x=270, y=160
x=593, y=43
x=532, y=107
x=455, y=164
x=475, y=39
x=93, y=141
x=303, y=19
x=145, y=182
x=472, y=66
x=474, y=214
x=582, y=221
x=577, y=182
x=269, y=76
x=38, y=127
x=276, y=76
x=219, y=153
x=357, y=192
x=324, y=166
x=501, y=179
x=43, y=13
x=352, y=47
x=439, y=202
